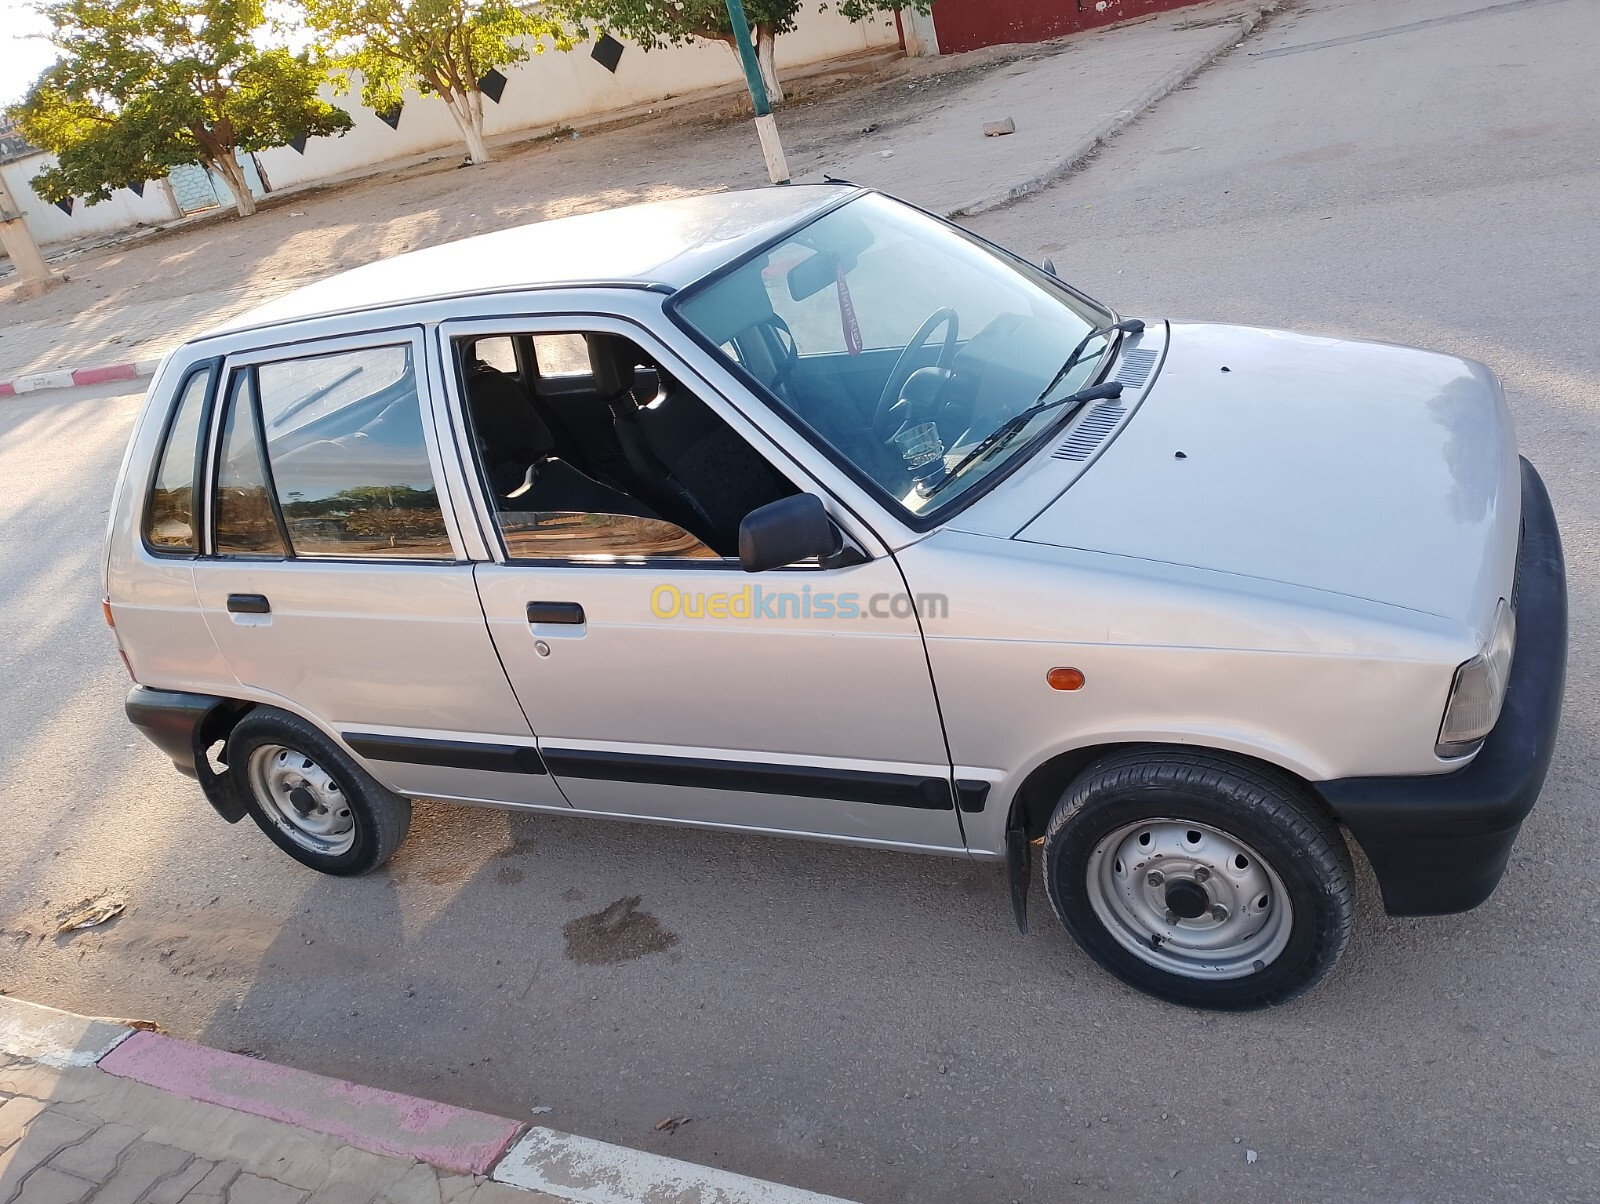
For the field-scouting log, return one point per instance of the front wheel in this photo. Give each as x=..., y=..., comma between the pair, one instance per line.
x=311, y=798
x=1199, y=880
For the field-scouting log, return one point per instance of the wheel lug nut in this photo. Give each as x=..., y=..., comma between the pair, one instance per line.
x=1172, y=917
x=1201, y=873
x=1156, y=878
x=1219, y=912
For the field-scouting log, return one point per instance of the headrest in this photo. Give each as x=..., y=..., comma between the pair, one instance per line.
x=503, y=418
x=646, y=385
x=612, y=359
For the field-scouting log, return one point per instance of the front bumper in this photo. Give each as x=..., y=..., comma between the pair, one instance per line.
x=1440, y=843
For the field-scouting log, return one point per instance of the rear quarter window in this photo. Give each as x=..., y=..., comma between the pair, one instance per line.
x=169, y=520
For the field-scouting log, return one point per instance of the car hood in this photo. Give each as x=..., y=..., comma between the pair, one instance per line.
x=1365, y=469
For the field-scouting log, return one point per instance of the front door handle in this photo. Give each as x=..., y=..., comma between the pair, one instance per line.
x=249, y=604
x=555, y=612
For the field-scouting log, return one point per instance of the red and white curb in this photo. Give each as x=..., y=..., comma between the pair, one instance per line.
x=575, y=1169
x=68, y=378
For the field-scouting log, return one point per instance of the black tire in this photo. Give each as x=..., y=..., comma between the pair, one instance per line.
x=377, y=817
x=1250, y=804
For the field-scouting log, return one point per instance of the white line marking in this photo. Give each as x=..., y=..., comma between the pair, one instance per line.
x=594, y=1172
x=59, y=1039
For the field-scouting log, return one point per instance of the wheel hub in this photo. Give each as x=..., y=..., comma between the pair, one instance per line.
x=1189, y=898
x=302, y=799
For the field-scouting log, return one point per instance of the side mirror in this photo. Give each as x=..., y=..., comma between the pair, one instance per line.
x=785, y=532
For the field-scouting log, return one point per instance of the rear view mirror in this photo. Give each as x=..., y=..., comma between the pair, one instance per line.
x=846, y=238
x=811, y=275
x=785, y=532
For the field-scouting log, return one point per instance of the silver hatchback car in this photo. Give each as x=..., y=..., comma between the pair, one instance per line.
x=802, y=511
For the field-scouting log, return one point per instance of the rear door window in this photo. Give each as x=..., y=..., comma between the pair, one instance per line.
x=348, y=458
x=561, y=355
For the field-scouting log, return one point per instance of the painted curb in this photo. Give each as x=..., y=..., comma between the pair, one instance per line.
x=55, y=1038
x=383, y=1122
x=577, y=1170
x=1082, y=151
x=69, y=378
x=594, y=1172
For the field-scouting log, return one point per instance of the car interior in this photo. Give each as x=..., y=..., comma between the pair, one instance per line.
x=613, y=434
x=842, y=326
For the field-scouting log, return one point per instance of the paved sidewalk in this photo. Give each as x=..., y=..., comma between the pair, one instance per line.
x=1064, y=106
x=915, y=129
x=94, y=1111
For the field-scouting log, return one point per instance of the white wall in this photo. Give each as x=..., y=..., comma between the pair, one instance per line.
x=553, y=87
x=51, y=225
x=548, y=89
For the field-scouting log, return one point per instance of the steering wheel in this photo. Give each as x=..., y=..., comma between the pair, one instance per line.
x=882, y=429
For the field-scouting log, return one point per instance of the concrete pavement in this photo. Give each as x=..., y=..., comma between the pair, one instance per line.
x=917, y=134
x=1066, y=101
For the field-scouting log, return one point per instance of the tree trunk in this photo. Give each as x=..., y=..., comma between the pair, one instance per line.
x=229, y=169
x=766, y=43
x=467, y=112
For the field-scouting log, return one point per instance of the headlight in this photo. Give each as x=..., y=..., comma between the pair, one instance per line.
x=1478, y=691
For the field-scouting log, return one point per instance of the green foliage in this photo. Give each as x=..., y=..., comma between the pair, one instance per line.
x=654, y=23
x=860, y=10
x=362, y=497
x=437, y=46
x=143, y=86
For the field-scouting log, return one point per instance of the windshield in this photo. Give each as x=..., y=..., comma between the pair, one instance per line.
x=901, y=344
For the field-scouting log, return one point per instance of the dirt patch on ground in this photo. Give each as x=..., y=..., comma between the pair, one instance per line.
x=618, y=932
x=699, y=146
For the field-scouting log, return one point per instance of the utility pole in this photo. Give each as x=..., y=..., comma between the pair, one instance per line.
x=19, y=245
x=766, y=127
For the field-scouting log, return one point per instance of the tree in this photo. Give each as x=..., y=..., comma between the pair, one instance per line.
x=656, y=23
x=442, y=47
x=653, y=23
x=143, y=86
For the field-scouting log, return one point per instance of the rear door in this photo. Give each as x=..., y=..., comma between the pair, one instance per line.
x=334, y=581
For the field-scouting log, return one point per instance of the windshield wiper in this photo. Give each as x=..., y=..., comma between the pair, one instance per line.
x=1008, y=428
x=1128, y=326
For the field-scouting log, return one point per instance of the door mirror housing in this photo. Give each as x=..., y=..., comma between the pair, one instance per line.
x=786, y=531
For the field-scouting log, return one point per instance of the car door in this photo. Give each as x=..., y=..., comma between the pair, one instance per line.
x=667, y=684
x=333, y=580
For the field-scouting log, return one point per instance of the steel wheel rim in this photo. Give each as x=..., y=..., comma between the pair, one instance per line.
x=1207, y=908
x=302, y=800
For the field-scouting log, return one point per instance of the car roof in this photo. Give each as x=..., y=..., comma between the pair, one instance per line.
x=663, y=244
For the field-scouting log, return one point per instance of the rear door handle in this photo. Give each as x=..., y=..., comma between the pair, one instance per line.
x=555, y=612
x=249, y=604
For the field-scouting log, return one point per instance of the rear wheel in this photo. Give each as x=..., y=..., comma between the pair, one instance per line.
x=1200, y=880
x=311, y=798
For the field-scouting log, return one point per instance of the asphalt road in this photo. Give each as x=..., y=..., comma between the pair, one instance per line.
x=1421, y=171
